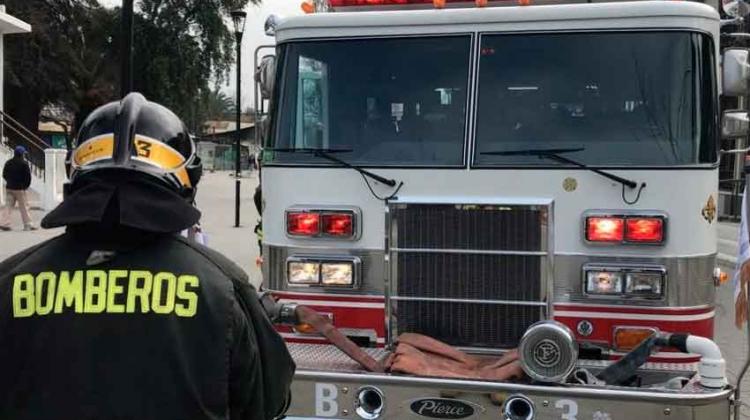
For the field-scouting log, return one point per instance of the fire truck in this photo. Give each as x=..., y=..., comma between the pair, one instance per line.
x=534, y=176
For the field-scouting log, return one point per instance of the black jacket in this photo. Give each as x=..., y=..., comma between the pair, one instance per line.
x=17, y=174
x=124, y=324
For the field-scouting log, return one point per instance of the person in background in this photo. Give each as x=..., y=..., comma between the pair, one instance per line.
x=17, y=176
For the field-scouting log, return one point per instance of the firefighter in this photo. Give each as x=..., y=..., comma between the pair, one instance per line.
x=122, y=318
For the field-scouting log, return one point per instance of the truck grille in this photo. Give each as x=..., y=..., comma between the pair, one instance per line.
x=471, y=275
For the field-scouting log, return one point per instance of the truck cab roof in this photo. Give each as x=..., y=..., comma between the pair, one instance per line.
x=667, y=15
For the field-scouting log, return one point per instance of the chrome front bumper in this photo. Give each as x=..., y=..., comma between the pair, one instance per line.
x=327, y=385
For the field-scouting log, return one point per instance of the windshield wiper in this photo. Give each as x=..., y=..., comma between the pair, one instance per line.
x=556, y=154
x=328, y=154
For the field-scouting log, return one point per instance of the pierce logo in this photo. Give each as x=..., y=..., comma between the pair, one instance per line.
x=443, y=408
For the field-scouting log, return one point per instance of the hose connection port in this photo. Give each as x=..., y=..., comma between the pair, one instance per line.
x=370, y=403
x=518, y=407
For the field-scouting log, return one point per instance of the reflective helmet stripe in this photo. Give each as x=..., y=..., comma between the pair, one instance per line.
x=150, y=151
x=162, y=156
x=93, y=150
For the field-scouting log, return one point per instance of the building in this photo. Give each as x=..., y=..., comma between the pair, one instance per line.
x=8, y=25
x=216, y=145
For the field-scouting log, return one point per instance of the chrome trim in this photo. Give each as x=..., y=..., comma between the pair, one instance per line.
x=322, y=259
x=467, y=251
x=370, y=276
x=484, y=301
x=326, y=209
x=546, y=261
x=699, y=396
x=625, y=269
x=548, y=268
x=518, y=397
x=627, y=214
x=358, y=403
x=608, y=305
x=565, y=338
x=690, y=285
x=690, y=282
x=473, y=200
x=387, y=292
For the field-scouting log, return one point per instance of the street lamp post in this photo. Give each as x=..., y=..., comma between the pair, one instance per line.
x=238, y=18
x=126, y=67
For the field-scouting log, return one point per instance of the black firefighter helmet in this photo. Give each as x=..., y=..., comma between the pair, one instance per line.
x=134, y=165
x=137, y=135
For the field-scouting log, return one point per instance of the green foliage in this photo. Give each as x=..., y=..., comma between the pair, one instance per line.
x=217, y=105
x=181, y=49
x=67, y=59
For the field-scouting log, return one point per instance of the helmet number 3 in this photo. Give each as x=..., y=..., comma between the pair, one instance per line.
x=569, y=409
x=143, y=147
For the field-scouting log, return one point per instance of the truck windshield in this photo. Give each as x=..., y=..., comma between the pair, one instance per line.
x=625, y=98
x=390, y=101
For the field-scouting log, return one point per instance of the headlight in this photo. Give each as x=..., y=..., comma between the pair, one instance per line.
x=314, y=271
x=301, y=272
x=600, y=282
x=644, y=283
x=337, y=274
x=624, y=281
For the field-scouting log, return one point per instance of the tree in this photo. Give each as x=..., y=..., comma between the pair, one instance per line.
x=217, y=105
x=71, y=59
x=181, y=48
x=68, y=59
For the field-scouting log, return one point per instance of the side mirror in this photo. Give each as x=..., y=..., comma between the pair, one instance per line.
x=264, y=127
x=272, y=21
x=735, y=71
x=735, y=8
x=734, y=124
x=264, y=75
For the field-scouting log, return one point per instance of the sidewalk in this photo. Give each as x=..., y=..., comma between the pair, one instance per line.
x=215, y=200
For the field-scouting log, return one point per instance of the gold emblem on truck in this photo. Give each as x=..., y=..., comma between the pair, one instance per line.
x=570, y=184
x=709, y=210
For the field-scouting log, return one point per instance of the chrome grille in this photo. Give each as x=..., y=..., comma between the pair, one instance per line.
x=472, y=275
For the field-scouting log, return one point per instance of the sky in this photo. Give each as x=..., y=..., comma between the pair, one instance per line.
x=252, y=38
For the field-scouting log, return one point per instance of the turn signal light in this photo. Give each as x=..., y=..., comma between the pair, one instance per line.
x=304, y=329
x=644, y=229
x=303, y=223
x=338, y=224
x=605, y=229
x=628, y=338
x=307, y=7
